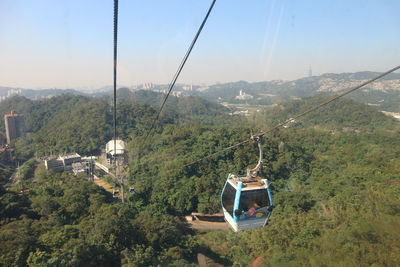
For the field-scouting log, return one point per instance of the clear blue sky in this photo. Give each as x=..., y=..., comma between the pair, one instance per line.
x=68, y=43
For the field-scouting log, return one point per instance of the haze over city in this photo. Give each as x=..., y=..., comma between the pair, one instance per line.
x=67, y=44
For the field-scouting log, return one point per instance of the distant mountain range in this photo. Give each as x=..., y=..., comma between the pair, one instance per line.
x=6, y=92
x=384, y=94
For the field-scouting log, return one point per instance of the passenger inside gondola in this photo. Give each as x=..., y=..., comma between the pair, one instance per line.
x=254, y=204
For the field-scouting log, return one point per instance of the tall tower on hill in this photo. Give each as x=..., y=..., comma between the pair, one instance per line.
x=14, y=126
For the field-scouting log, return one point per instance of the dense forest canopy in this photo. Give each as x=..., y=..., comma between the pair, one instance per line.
x=334, y=177
x=341, y=114
x=70, y=123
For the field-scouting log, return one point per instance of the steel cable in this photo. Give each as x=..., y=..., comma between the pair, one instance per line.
x=182, y=64
x=115, y=72
x=299, y=115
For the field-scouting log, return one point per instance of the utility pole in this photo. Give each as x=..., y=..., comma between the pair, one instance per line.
x=18, y=176
x=120, y=174
x=90, y=169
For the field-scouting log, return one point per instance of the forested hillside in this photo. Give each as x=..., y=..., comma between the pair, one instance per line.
x=82, y=124
x=343, y=114
x=334, y=177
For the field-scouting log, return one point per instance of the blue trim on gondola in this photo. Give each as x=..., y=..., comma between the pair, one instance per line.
x=228, y=215
x=270, y=201
x=223, y=190
x=269, y=192
x=222, y=193
x=237, y=200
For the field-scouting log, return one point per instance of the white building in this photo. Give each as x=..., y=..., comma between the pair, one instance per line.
x=63, y=163
x=120, y=147
x=243, y=96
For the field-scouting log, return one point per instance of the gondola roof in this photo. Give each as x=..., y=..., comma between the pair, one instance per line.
x=248, y=183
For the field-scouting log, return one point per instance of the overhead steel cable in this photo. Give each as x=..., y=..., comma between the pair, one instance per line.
x=298, y=116
x=115, y=72
x=182, y=64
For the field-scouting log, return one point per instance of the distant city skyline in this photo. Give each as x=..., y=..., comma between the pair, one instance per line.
x=68, y=43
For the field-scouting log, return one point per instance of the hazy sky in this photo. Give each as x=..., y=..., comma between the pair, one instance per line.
x=68, y=43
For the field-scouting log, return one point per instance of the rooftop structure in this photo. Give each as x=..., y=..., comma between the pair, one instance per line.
x=70, y=158
x=54, y=164
x=62, y=163
x=120, y=147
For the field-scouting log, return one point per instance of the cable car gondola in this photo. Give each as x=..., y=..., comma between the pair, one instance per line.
x=246, y=200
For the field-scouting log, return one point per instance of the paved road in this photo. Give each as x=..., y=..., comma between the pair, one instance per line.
x=203, y=225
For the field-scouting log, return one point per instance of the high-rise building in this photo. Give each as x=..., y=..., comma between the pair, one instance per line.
x=14, y=126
